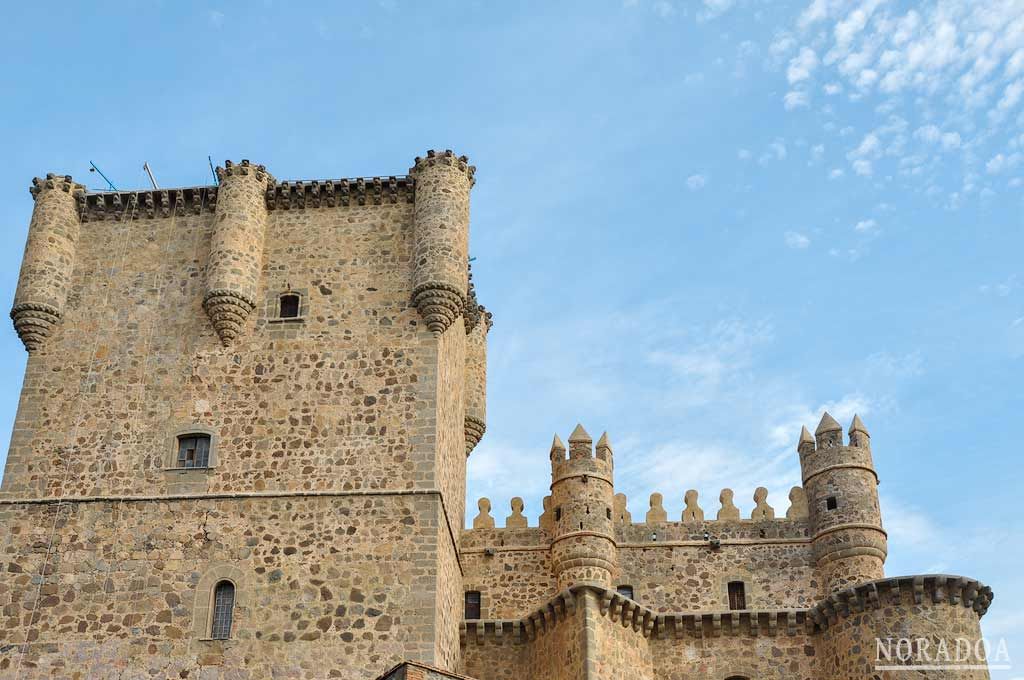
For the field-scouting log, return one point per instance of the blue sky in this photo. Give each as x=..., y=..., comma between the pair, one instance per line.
x=697, y=223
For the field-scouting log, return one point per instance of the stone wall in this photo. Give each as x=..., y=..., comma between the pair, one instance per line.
x=780, y=657
x=516, y=578
x=615, y=650
x=327, y=587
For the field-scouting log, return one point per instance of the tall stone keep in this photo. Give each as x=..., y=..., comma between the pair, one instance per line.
x=441, y=233
x=49, y=258
x=583, y=549
x=236, y=250
x=841, y=484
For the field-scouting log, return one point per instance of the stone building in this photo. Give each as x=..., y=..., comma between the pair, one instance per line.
x=240, y=452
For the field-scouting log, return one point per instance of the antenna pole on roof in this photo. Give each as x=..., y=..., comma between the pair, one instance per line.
x=152, y=180
x=93, y=168
x=212, y=171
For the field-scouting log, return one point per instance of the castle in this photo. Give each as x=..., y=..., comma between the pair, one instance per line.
x=240, y=452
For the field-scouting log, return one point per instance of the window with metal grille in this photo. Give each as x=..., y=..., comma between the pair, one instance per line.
x=223, y=610
x=472, y=604
x=737, y=595
x=289, y=306
x=194, y=450
x=625, y=591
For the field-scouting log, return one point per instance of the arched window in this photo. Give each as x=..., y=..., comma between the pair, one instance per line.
x=223, y=610
x=737, y=595
x=472, y=604
x=193, y=450
x=289, y=306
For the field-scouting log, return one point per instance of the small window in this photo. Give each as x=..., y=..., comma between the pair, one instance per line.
x=289, y=306
x=193, y=451
x=737, y=595
x=472, y=604
x=831, y=503
x=625, y=591
x=558, y=514
x=223, y=610
x=608, y=511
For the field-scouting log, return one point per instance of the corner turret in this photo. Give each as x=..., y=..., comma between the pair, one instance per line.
x=441, y=237
x=49, y=260
x=842, y=497
x=583, y=548
x=478, y=324
x=236, y=249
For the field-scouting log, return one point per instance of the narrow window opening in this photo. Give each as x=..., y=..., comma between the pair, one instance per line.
x=831, y=503
x=223, y=610
x=608, y=511
x=737, y=595
x=625, y=591
x=289, y=306
x=581, y=526
x=193, y=451
x=472, y=604
x=558, y=514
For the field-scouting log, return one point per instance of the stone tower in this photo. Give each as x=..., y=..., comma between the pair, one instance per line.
x=271, y=385
x=582, y=497
x=842, y=499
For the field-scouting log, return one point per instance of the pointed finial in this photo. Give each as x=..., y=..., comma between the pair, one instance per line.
x=556, y=444
x=858, y=425
x=604, y=448
x=828, y=424
x=805, y=438
x=579, y=435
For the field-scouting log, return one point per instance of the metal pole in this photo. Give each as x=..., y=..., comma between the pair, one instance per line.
x=212, y=171
x=107, y=180
x=152, y=180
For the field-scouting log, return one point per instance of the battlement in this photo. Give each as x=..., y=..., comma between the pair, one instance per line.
x=54, y=182
x=642, y=620
x=878, y=594
x=446, y=157
x=728, y=517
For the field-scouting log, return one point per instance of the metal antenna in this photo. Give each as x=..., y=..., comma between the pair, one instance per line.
x=213, y=172
x=152, y=180
x=93, y=168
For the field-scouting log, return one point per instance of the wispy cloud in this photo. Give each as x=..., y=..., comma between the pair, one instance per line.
x=696, y=182
x=796, y=240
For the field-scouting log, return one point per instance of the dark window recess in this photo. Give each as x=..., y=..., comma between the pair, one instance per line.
x=289, y=306
x=608, y=511
x=223, y=610
x=737, y=595
x=558, y=514
x=831, y=503
x=194, y=451
x=625, y=591
x=472, y=604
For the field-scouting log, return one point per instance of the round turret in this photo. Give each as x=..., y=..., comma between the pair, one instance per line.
x=441, y=237
x=583, y=546
x=842, y=497
x=49, y=260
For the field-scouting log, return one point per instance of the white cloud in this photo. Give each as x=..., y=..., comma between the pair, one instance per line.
x=796, y=240
x=833, y=88
x=836, y=173
x=802, y=65
x=663, y=8
x=714, y=8
x=696, y=182
x=743, y=154
x=863, y=168
x=866, y=226
x=817, y=152
x=795, y=100
x=999, y=163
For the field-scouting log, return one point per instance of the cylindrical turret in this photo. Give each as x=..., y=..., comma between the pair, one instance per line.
x=441, y=233
x=49, y=258
x=842, y=497
x=478, y=324
x=583, y=548
x=236, y=249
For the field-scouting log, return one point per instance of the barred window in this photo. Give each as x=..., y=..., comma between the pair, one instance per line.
x=193, y=451
x=472, y=604
x=737, y=595
x=289, y=306
x=223, y=610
